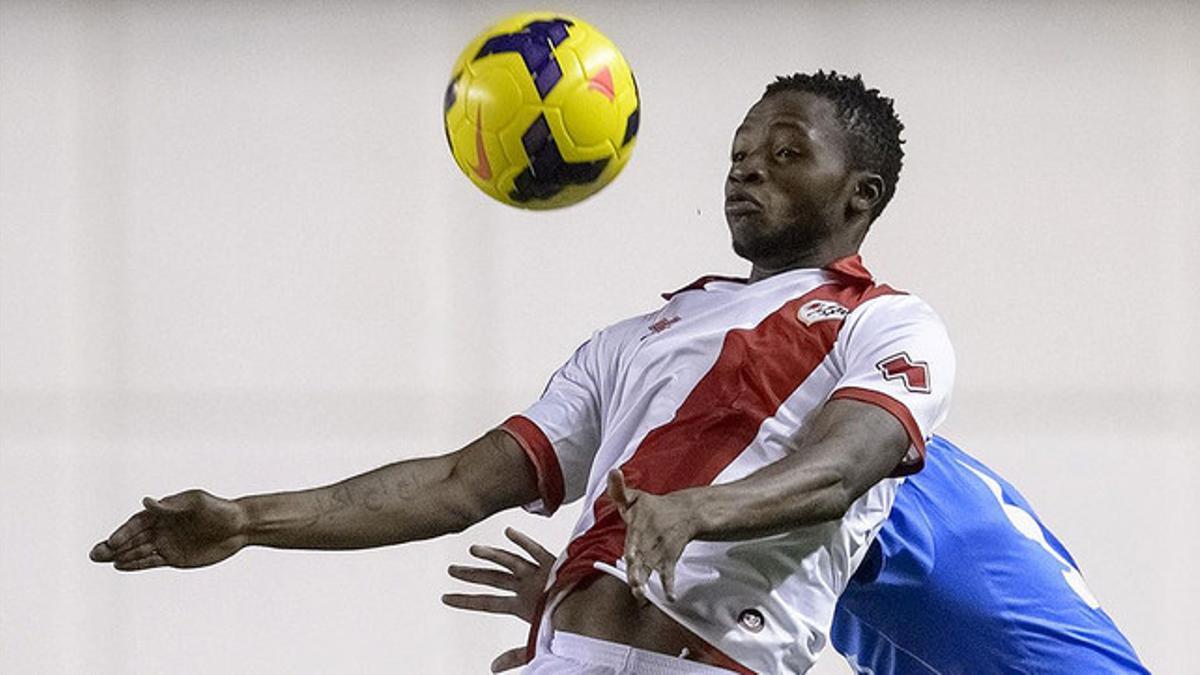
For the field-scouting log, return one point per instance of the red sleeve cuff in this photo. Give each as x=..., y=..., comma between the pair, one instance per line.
x=537, y=447
x=898, y=410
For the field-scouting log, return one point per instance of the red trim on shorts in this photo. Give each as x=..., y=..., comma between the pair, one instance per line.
x=900, y=412
x=540, y=451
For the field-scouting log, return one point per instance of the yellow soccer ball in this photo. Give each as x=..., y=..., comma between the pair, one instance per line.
x=542, y=111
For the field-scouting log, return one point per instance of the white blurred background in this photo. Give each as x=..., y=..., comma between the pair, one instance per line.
x=235, y=254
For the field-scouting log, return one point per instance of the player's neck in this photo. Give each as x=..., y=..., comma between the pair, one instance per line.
x=816, y=258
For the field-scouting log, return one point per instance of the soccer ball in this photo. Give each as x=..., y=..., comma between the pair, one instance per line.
x=542, y=111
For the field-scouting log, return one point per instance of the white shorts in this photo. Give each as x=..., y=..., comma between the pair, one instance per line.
x=571, y=654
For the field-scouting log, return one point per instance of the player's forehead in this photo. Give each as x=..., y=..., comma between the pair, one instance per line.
x=809, y=114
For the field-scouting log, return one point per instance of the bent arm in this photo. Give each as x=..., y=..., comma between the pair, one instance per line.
x=850, y=447
x=404, y=501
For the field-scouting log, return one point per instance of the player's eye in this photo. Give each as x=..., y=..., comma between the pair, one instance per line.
x=738, y=156
x=787, y=153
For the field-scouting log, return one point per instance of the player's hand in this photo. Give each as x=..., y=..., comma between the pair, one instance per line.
x=190, y=529
x=524, y=578
x=657, y=527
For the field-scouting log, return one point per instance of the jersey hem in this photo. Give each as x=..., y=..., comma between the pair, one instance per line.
x=711, y=655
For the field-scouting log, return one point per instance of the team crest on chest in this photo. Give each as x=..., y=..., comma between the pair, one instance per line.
x=821, y=310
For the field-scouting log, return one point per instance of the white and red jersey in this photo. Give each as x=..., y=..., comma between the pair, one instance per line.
x=713, y=386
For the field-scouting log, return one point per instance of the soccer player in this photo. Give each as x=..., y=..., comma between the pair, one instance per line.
x=962, y=578
x=764, y=423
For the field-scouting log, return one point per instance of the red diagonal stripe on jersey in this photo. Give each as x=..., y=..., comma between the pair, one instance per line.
x=719, y=418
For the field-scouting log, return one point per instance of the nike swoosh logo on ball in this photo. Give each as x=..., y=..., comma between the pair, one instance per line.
x=482, y=167
x=603, y=83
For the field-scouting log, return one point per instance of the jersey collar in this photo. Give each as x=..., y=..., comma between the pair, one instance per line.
x=850, y=266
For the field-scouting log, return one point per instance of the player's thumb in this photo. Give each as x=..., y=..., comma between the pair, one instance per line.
x=622, y=495
x=164, y=506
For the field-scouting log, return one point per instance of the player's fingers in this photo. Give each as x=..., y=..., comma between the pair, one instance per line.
x=137, y=553
x=540, y=555
x=631, y=556
x=137, y=523
x=492, y=604
x=484, y=577
x=101, y=552
x=140, y=538
x=501, y=557
x=637, y=572
x=513, y=658
x=666, y=572
x=146, y=563
x=637, y=582
x=146, y=536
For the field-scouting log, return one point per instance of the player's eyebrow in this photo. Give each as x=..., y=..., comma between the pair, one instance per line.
x=792, y=123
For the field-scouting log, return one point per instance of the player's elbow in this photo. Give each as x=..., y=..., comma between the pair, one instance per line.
x=462, y=508
x=832, y=499
x=466, y=497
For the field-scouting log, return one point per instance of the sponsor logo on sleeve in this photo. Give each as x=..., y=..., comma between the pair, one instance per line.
x=821, y=310
x=914, y=374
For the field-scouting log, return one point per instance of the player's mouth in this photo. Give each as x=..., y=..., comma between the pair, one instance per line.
x=740, y=203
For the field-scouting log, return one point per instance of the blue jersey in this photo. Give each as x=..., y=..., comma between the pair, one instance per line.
x=964, y=578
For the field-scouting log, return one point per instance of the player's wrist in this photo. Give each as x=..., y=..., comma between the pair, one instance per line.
x=254, y=526
x=707, y=512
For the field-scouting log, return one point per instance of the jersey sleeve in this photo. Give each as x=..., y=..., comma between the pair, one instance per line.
x=894, y=353
x=560, y=433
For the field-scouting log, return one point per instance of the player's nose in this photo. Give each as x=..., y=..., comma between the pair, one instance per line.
x=745, y=175
x=746, y=172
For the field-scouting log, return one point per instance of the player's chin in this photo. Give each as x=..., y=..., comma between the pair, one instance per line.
x=749, y=240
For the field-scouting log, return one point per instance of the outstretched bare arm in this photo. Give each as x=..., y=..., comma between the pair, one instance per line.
x=400, y=502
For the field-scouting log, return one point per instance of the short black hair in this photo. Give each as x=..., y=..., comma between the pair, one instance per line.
x=869, y=119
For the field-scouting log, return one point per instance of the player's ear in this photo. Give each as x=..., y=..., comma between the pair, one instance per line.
x=868, y=192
